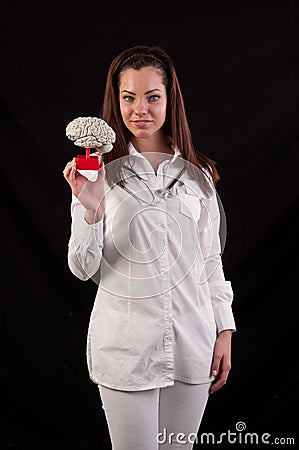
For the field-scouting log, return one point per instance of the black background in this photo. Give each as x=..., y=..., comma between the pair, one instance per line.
x=238, y=69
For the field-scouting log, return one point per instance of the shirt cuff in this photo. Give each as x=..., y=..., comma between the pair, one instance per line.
x=222, y=296
x=82, y=231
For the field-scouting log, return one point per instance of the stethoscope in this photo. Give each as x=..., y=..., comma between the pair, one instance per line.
x=163, y=193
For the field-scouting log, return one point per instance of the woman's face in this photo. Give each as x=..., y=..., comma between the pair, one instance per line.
x=143, y=99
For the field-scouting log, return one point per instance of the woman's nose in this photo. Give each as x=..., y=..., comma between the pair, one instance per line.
x=141, y=107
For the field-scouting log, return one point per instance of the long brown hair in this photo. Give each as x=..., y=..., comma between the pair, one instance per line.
x=176, y=124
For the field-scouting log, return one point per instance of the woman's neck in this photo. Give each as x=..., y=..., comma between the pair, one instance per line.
x=155, y=144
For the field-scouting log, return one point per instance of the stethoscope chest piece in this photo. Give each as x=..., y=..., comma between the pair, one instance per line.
x=163, y=193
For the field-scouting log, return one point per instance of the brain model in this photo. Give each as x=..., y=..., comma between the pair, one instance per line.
x=91, y=132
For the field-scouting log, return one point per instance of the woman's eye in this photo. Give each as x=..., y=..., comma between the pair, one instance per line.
x=154, y=98
x=128, y=98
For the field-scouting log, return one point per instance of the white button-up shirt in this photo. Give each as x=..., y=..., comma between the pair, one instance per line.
x=162, y=296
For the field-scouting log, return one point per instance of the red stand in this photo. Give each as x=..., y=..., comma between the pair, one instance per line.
x=87, y=162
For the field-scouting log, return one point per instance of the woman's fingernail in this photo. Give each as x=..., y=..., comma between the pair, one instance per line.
x=214, y=372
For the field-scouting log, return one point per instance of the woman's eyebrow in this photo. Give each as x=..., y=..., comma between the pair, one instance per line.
x=148, y=92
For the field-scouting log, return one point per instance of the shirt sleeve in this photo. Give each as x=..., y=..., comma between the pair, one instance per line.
x=85, y=243
x=221, y=291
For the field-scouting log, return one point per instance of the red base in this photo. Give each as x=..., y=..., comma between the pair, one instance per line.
x=83, y=163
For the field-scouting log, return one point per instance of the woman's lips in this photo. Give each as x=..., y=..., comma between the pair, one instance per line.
x=142, y=123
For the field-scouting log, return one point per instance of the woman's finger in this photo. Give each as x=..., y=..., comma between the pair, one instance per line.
x=216, y=364
x=219, y=381
x=67, y=172
x=70, y=170
x=101, y=173
x=68, y=166
x=216, y=385
x=73, y=174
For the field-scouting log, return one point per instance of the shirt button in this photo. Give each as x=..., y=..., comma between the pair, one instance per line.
x=168, y=337
x=162, y=225
x=167, y=294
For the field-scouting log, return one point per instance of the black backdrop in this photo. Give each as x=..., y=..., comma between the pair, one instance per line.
x=237, y=64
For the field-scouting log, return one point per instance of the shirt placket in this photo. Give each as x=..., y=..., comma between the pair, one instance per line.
x=168, y=366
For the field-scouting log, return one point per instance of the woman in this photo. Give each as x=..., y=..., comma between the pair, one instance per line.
x=160, y=331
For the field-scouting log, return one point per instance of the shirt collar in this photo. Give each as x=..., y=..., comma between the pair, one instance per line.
x=192, y=186
x=141, y=164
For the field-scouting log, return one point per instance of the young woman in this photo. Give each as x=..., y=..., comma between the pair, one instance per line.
x=159, y=338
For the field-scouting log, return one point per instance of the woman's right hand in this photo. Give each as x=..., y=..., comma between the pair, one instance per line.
x=91, y=194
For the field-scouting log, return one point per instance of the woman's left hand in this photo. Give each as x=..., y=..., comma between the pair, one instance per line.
x=221, y=360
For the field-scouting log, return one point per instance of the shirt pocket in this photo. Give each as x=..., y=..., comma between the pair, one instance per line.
x=190, y=196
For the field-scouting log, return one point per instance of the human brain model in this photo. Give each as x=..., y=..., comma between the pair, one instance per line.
x=90, y=132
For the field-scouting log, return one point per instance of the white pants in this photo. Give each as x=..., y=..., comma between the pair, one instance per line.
x=164, y=418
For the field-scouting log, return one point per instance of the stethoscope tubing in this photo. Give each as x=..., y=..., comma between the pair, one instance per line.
x=160, y=192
